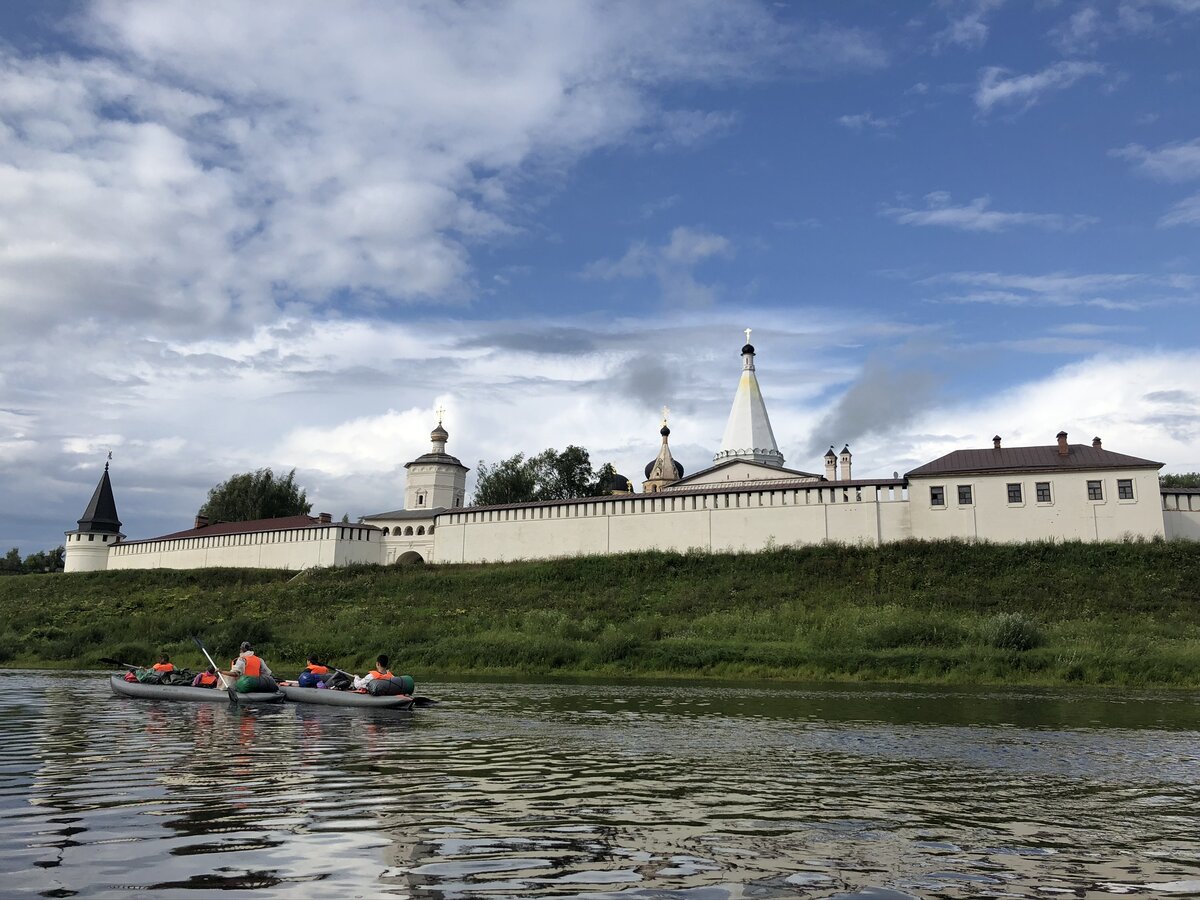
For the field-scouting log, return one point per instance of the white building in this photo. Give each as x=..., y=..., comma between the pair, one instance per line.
x=747, y=500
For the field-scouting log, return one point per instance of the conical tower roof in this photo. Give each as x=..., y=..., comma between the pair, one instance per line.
x=748, y=433
x=101, y=513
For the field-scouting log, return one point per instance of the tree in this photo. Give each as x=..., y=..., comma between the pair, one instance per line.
x=255, y=495
x=11, y=563
x=549, y=475
x=1180, y=480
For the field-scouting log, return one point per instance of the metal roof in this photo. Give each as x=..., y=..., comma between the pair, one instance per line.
x=1030, y=459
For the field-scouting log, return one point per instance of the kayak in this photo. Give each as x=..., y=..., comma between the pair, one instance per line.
x=298, y=694
x=184, y=692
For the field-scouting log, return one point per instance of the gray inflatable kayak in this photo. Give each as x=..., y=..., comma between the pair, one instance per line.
x=183, y=692
x=344, y=698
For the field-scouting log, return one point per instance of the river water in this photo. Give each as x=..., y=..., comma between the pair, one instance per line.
x=634, y=791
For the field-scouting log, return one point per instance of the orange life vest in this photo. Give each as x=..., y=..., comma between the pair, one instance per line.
x=164, y=667
x=317, y=670
x=253, y=665
x=207, y=679
x=379, y=674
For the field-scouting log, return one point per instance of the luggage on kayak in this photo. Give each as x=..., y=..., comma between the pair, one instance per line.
x=339, y=681
x=390, y=687
x=311, y=679
x=256, y=684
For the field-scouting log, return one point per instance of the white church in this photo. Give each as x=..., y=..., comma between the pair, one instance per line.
x=747, y=500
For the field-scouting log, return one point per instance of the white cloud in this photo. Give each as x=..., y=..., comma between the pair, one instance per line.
x=1185, y=212
x=672, y=264
x=998, y=88
x=968, y=26
x=207, y=166
x=1121, y=291
x=1171, y=162
x=976, y=216
x=1081, y=32
x=863, y=120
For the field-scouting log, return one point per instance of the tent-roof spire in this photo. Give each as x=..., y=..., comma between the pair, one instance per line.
x=748, y=433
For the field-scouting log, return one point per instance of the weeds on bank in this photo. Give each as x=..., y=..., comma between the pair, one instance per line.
x=945, y=611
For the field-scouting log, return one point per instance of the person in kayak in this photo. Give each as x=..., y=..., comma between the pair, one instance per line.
x=250, y=672
x=164, y=664
x=313, y=672
x=206, y=679
x=381, y=670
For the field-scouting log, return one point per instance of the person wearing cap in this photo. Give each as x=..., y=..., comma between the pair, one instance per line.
x=248, y=663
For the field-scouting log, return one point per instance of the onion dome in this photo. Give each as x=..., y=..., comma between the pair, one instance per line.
x=439, y=433
x=616, y=484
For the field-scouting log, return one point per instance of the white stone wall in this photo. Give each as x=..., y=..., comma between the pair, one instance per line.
x=1069, y=515
x=1181, y=515
x=87, y=551
x=300, y=548
x=725, y=520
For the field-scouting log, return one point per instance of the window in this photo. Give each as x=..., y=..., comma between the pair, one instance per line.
x=1124, y=488
x=1095, y=490
x=1014, y=492
x=937, y=496
x=420, y=529
x=420, y=499
x=1043, y=492
x=964, y=495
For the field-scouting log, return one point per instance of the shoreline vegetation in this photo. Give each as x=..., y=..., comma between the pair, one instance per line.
x=916, y=612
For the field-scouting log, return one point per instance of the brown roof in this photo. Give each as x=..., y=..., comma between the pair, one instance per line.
x=286, y=523
x=716, y=488
x=1030, y=459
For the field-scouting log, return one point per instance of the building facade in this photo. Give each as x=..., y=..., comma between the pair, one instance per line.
x=747, y=500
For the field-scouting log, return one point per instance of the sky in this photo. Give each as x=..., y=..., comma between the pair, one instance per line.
x=283, y=234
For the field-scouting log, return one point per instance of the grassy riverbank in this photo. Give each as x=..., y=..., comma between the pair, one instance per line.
x=932, y=612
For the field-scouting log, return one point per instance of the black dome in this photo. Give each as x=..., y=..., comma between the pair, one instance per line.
x=678, y=468
x=749, y=348
x=615, y=482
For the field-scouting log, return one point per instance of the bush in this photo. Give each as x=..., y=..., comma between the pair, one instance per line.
x=1012, y=631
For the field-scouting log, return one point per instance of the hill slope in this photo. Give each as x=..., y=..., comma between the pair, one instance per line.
x=1033, y=613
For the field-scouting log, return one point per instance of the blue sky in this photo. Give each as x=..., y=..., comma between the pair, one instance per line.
x=282, y=235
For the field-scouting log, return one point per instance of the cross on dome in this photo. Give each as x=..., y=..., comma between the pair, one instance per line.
x=440, y=412
x=666, y=412
x=748, y=330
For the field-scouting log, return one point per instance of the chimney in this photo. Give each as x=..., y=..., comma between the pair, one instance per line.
x=1096, y=443
x=1063, y=450
x=830, y=465
x=996, y=442
x=846, y=463
x=201, y=522
x=324, y=518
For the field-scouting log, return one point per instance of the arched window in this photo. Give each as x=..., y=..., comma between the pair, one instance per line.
x=420, y=529
x=386, y=531
x=408, y=530
x=430, y=530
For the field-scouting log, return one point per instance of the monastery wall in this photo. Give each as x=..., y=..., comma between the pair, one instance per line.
x=1181, y=514
x=302, y=548
x=724, y=520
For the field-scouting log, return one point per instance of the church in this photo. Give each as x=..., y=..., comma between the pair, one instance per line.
x=746, y=501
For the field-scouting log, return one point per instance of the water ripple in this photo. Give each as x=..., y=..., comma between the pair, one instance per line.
x=601, y=790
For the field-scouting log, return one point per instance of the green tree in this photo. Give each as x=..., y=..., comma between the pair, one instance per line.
x=1180, y=480
x=549, y=475
x=11, y=563
x=255, y=495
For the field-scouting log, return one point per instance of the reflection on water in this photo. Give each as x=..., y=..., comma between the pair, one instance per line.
x=602, y=790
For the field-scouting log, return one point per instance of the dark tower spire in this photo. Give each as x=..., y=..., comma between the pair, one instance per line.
x=101, y=512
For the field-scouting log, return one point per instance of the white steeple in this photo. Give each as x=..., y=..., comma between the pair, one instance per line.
x=748, y=433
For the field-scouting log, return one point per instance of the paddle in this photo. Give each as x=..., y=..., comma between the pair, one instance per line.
x=228, y=687
x=118, y=663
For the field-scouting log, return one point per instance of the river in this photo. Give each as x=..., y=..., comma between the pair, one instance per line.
x=640, y=790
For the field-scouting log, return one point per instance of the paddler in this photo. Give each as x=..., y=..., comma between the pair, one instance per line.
x=248, y=665
x=313, y=672
x=206, y=679
x=164, y=664
x=381, y=670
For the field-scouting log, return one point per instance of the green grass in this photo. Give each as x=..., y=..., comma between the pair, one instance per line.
x=1125, y=613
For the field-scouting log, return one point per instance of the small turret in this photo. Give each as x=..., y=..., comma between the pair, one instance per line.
x=830, y=464
x=663, y=469
x=846, y=463
x=98, y=529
